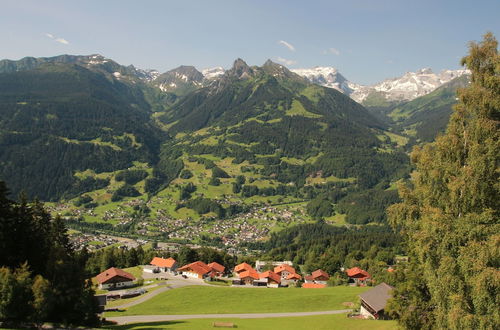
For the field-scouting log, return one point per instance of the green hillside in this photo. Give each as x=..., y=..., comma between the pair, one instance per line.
x=254, y=151
x=57, y=119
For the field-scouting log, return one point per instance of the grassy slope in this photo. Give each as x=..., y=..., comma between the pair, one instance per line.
x=326, y=322
x=199, y=300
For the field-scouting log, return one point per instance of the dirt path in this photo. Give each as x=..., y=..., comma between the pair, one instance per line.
x=161, y=318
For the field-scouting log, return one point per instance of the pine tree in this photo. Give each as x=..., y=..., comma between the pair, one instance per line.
x=450, y=213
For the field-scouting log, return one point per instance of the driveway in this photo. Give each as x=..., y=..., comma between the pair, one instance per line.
x=162, y=318
x=173, y=283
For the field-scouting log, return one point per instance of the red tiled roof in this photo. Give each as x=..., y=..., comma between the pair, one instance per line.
x=197, y=267
x=242, y=267
x=320, y=273
x=249, y=273
x=358, y=273
x=313, y=286
x=108, y=274
x=280, y=268
x=160, y=262
x=271, y=275
x=294, y=276
x=217, y=267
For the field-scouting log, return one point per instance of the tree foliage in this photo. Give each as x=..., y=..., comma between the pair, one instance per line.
x=450, y=214
x=41, y=277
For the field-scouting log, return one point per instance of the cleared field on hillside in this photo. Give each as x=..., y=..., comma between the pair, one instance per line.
x=220, y=300
x=321, y=322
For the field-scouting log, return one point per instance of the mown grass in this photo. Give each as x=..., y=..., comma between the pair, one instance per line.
x=200, y=300
x=320, y=322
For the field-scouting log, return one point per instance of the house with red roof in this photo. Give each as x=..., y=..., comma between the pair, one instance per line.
x=358, y=276
x=318, y=277
x=293, y=278
x=161, y=264
x=248, y=277
x=284, y=270
x=271, y=279
x=217, y=269
x=197, y=269
x=114, y=278
x=242, y=267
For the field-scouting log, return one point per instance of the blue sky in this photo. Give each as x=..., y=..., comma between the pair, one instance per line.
x=367, y=40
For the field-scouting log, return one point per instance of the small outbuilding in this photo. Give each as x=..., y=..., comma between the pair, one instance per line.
x=373, y=301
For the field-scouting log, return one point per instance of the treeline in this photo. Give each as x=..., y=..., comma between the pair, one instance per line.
x=42, y=279
x=105, y=258
x=320, y=245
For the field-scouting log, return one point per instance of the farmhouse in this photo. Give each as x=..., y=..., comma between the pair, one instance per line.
x=272, y=279
x=217, y=269
x=167, y=265
x=284, y=270
x=293, y=278
x=318, y=277
x=197, y=269
x=358, y=276
x=248, y=277
x=242, y=267
x=114, y=278
x=373, y=301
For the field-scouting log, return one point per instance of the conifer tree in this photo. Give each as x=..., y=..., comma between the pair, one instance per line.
x=450, y=212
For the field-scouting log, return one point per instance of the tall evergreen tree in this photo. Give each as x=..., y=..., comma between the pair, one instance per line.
x=450, y=212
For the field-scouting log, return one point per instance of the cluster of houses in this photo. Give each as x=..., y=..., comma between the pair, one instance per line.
x=283, y=274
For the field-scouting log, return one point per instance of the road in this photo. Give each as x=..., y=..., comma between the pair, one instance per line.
x=162, y=318
x=173, y=283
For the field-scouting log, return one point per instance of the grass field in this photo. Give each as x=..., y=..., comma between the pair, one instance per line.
x=200, y=300
x=319, y=322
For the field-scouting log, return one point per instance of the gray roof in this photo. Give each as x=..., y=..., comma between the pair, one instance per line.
x=377, y=297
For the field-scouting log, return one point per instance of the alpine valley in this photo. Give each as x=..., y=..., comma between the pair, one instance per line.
x=218, y=157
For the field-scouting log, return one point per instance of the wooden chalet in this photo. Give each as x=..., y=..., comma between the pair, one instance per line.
x=318, y=276
x=358, y=276
x=373, y=301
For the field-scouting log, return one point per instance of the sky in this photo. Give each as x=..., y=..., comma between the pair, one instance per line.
x=366, y=40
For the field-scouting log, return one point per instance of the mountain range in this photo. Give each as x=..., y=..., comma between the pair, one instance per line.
x=197, y=144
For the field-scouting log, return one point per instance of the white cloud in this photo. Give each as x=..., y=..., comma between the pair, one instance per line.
x=57, y=39
x=285, y=61
x=62, y=41
x=287, y=45
x=332, y=50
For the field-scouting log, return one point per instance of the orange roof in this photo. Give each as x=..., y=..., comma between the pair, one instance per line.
x=280, y=268
x=160, y=262
x=357, y=272
x=108, y=274
x=293, y=276
x=271, y=275
x=242, y=267
x=313, y=286
x=249, y=273
x=198, y=267
x=319, y=273
x=217, y=267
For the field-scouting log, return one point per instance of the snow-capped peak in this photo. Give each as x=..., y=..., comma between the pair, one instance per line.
x=407, y=87
x=212, y=73
x=327, y=76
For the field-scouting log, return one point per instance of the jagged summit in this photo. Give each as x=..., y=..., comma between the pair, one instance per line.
x=240, y=70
